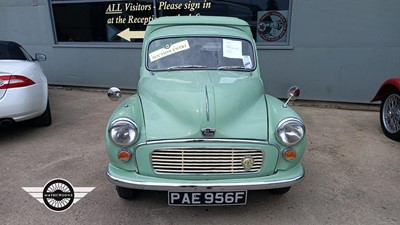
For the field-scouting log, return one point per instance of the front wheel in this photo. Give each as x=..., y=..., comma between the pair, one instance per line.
x=125, y=193
x=390, y=115
x=280, y=191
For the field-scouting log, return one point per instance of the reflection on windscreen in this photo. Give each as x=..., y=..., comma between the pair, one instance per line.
x=200, y=53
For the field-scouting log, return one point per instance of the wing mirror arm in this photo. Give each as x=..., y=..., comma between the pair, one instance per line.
x=292, y=94
x=114, y=94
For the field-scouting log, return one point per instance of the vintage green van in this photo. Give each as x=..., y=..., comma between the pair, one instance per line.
x=200, y=125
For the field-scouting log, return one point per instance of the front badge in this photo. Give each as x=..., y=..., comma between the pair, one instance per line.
x=247, y=162
x=208, y=132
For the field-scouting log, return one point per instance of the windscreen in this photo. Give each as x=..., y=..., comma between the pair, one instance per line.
x=11, y=52
x=200, y=53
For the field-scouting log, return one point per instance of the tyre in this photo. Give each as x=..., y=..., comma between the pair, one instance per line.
x=125, y=193
x=390, y=115
x=280, y=191
x=44, y=119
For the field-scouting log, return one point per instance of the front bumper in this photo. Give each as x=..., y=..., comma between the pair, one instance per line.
x=133, y=180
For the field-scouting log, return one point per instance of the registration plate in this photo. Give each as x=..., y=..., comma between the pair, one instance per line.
x=207, y=198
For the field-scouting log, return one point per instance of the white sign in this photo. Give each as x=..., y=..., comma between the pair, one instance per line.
x=232, y=49
x=247, y=62
x=169, y=50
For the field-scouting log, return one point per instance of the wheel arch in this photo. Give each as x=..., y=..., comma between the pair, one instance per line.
x=386, y=88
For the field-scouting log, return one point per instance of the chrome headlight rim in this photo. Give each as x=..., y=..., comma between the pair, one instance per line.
x=285, y=122
x=132, y=127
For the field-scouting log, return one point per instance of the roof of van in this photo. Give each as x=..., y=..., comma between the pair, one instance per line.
x=198, y=20
x=203, y=20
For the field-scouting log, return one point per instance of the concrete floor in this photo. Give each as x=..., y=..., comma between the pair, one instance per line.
x=352, y=173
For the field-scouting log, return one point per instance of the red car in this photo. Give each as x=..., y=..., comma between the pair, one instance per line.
x=389, y=95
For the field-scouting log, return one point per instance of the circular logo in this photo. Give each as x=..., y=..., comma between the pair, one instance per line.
x=1, y=83
x=58, y=195
x=272, y=26
x=247, y=162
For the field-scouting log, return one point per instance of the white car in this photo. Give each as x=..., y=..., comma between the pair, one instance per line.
x=23, y=87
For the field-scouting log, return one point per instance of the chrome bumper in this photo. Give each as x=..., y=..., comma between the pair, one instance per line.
x=229, y=185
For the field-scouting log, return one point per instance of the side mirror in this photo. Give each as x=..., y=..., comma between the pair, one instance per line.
x=292, y=94
x=114, y=94
x=40, y=57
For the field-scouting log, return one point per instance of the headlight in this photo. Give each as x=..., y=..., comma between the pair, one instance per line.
x=290, y=131
x=123, y=132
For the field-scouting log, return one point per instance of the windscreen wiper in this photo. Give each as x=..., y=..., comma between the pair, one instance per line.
x=186, y=67
x=232, y=68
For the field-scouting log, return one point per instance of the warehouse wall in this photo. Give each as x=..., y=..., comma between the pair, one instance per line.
x=340, y=50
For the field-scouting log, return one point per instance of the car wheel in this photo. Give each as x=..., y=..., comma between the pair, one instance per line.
x=125, y=193
x=390, y=115
x=280, y=191
x=44, y=119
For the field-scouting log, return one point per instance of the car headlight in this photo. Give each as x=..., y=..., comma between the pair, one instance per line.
x=123, y=131
x=290, y=131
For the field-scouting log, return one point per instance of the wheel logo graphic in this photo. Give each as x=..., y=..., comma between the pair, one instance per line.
x=58, y=195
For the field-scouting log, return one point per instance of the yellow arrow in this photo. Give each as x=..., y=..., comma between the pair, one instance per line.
x=127, y=34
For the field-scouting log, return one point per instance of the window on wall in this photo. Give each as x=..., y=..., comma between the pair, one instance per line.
x=122, y=21
x=99, y=21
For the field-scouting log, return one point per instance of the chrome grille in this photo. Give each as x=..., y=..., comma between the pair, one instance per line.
x=204, y=161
